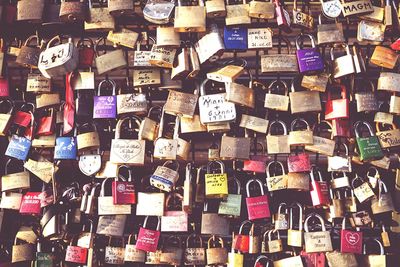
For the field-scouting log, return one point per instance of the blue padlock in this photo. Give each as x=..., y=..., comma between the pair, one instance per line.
x=18, y=147
x=65, y=147
x=235, y=38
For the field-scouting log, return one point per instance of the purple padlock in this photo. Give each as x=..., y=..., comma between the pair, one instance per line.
x=105, y=107
x=309, y=59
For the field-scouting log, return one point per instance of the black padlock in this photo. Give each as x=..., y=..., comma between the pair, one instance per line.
x=84, y=104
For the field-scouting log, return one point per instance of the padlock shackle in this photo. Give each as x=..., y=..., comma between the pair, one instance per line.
x=30, y=38
x=118, y=127
x=314, y=168
x=283, y=204
x=54, y=40
x=170, y=240
x=342, y=46
x=81, y=43
x=267, y=170
x=274, y=232
x=115, y=237
x=317, y=127
x=130, y=238
x=300, y=215
x=112, y=82
x=158, y=223
x=193, y=236
x=377, y=175
x=129, y=172
x=238, y=185
x=381, y=248
x=378, y=126
x=301, y=36
x=10, y=104
x=154, y=109
x=161, y=125
x=360, y=123
x=316, y=216
x=87, y=124
x=172, y=196
x=103, y=186
x=220, y=164
x=278, y=82
x=277, y=122
x=214, y=238
x=248, y=186
x=262, y=257
x=299, y=120
x=242, y=225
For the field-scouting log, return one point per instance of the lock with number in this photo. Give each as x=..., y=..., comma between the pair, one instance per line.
x=216, y=182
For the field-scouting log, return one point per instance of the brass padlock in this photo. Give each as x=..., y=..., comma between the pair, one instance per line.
x=300, y=137
x=237, y=14
x=261, y=9
x=109, y=61
x=342, y=65
x=167, y=36
x=280, y=62
x=190, y=18
x=329, y=33
x=278, y=144
x=216, y=255
x=304, y=101
x=295, y=237
x=215, y=8
x=207, y=52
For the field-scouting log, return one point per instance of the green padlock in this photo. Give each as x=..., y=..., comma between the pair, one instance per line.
x=43, y=259
x=369, y=146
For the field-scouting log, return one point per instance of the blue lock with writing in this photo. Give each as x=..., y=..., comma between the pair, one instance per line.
x=235, y=38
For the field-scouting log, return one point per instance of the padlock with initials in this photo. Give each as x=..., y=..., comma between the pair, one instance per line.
x=322, y=145
x=147, y=238
x=132, y=100
x=302, y=19
x=318, y=241
x=105, y=107
x=76, y=254
x=276, y=181
x=308, y=59
x=29, y=54
x=257, y=206
x=235, y=38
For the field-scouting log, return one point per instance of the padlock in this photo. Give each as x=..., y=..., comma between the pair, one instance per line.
x=300, y=137
x=274, y=245
x=76, y=254
x=181, y=66
x=384, y=57
x=229, y=72
x=155, y=197
x=385, y=237
x=111, y=225
x=216, y=255
x=336, y=207
x=165, y=176
x=371, y=32
x=190, y=18
x=298, y=163
x=89, y=139
x=182, y=104
x=147, y=238
x=43, y=258
x=329, y=33
x=187, y=201
x=106, y=206
x=72, y=11
x=109, y=61
x=235, y=38
x=261, y=9
x=37, y=83
x=302, y=19
x=258, y=206
x=158, y=12
x=127, y=151
x=167, y=36
x=241, y=241
x=373, y=179
x=281, y=218
x=206, y=52
x=29, y=54
x=215, y=8
x=282, y=16
x=194, y=254
x=191, y=125
x=256, y=163
x=342, y=65
x=350, y=201
x=19, y=146
x=120, y=7
x=162, y=57
x=308, y=59
x=113, y=254
x=22, y=251
x=322, y=145
x=166, y=148
x=337, y=108
x=199, y=196
x=174, y=218
x=278, y=144
x=394, y=104
x=279, y=62
x=358, y=59
x=30, y=204
x=235, y=259
x=99, y=18
x=30, y=11
x=132, y=100
x=123, y=192
x=350, y=241
x=89, y=162
x=16, y=180
x=388, y=81
x=339, y=162
x=388, y=16
x=304, y=101
x=295, y=237
x=235, y=147
x=237, y=14
x=212, y=223
x=319, y=241
x=172, y=251
x=339, y=182
x=46, y=123
x=368, y=147
x=357, y=7
x=209, y=113
x=259, y=38
x=319, y=189
x=231, y=206
x=276, y=101
x=373, y=260
x=258, y=263
x=5, y=118
x=382, y=203
x=216, y=183
x=149, y=125
x=105, y=107
x=388, y=138
x=47, y=100
x=254, y=240
x=277, y=181
x=363, y=191
x=132, y=254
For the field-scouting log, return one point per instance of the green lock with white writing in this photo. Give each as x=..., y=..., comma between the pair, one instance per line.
x=368, y=147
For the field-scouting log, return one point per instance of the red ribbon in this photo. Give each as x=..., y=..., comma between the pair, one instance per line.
x=69, y=107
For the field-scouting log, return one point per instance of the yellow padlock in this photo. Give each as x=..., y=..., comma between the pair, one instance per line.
x=216, y=183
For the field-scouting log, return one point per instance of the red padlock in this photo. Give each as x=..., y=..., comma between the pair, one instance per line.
x=256, y=163
x=341, y=127
x=299, y=163
x=46, y=123
x=75, y=253
x=319, y=190
x=23, y=116
x=282, y=17
x=86, y=53
x=257, y=207
x=315, y=259
x=30, y=203
x=4, y=88
x=337, y=108
x=241, y=241
x=148, y=239
x=350, y=241
x=123, y=192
